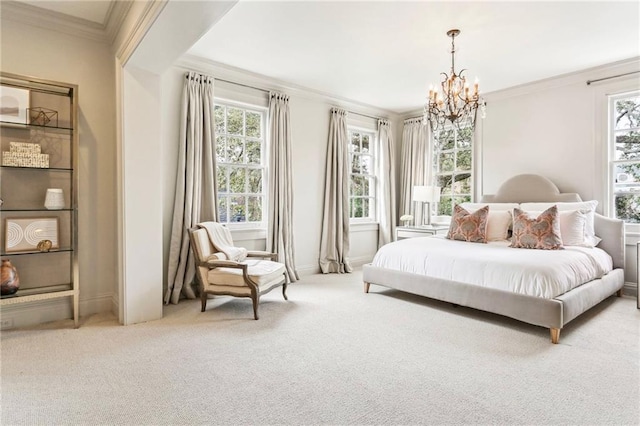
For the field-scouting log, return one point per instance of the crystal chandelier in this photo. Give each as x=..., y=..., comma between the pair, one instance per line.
x=458, y=103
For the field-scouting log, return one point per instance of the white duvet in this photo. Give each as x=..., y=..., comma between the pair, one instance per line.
x=540, y=273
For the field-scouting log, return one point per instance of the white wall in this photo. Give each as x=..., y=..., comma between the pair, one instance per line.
x=309, y=128
x=46, y=54
x=556, y=128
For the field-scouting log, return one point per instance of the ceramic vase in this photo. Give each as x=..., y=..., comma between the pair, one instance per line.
x=10, y=280
x=54, y=200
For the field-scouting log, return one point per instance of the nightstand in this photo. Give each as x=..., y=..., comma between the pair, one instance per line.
x=403, y=232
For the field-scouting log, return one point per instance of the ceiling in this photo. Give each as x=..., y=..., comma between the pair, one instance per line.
x=91, y=10
x=385, y=54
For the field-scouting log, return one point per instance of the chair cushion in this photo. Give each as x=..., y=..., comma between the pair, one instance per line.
x=260, y=271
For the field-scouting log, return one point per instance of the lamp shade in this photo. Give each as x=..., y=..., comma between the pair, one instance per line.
x=426, y=194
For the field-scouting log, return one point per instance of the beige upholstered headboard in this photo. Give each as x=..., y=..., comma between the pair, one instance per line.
x=529, y=188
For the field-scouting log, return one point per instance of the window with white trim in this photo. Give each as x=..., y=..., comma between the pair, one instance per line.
x=453, y=166
x=362, y=179
x=241, y=163
x=624, y=157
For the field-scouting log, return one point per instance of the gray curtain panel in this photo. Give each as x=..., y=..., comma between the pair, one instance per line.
x=334, y=241
x=280, y=213
x=195, y=199
x=415, y=167
x=387, y=184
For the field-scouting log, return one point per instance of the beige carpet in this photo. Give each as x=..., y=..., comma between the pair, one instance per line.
x=331, y=355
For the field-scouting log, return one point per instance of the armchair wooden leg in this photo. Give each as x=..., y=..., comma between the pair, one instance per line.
x=284, y=291
x=203, y=299
x=366, y=287
x=555, y=335
x=619, y=293
x=256, y=300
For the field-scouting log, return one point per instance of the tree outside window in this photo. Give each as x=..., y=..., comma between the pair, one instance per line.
x=362, y=199
x=625, y=158
x=240, y=163
x=453, y=166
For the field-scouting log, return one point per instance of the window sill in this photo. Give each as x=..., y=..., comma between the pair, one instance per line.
x=363, y=226
x=245, y=234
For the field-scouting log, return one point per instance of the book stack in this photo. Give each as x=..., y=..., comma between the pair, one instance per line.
x=23, y=154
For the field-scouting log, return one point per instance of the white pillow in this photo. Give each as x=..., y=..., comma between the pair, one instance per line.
x=498, y=224
x=573, y=227
x=472, y=207
x=590, y=206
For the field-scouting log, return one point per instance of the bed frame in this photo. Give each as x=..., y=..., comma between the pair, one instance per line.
x=551, y=313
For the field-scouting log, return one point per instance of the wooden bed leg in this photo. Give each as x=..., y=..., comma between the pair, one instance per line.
x=555, y=335
x=619, y=293
x=366, y=287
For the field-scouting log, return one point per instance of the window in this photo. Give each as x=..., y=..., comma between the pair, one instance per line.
x=240, y=153
x=624, y=158
x=362, y=180
x=453, y=166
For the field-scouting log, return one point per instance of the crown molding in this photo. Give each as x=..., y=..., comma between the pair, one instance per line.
x=115, y=17
x=143, y=22
x=51, y=20
x=241, y=76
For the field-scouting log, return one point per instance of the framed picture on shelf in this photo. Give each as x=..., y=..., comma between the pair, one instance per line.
x=13, y=104
x=24, y=234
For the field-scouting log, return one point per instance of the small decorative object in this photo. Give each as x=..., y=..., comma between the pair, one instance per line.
x=10, y=280
x=24, y=154
x=44, y=246
x=54, y=200
x=24, y=234
x=13, y=104
x=406, y=219
x=42, y=116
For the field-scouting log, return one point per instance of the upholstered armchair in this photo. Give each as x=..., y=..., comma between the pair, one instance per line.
x=258, y=274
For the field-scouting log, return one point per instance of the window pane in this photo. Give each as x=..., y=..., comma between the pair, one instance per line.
x=366, y=187
x=367, y=164
x=254, y=153
x=356, y=185
x=219, y=119
x=356, y=210
x=445, y=207
x=255, y=181
x=253, y=124
x=235, y=151
x=221, y=148
x=628, y=207
x=460, y=200
x=627, y=145
x=627, y=113
x=255, y=209
x=365, y=143
x=221, y=176
x=446, y=139
x=464, y=160
x=464, y=138
x=238, y=209
x=365, y=207
x=447, y=162
x=222, y=208
x=626, y=179
x=462, y=184
x=355, y=163
x=235, y=121
x=237, y=180
x=444, y=182
x=355, y=142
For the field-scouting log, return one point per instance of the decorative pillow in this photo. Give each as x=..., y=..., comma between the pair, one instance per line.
x=471, y=227
x=542, y=232
x=499, y=221
x=590, y=206
x=573, y=227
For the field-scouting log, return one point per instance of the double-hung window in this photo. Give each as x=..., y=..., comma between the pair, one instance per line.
x=241, y=163
x=624, y=157
x=362, y=179
x=453, y=166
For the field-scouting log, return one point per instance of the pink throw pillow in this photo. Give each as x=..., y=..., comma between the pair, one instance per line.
x=542, y=232
x=471, y=227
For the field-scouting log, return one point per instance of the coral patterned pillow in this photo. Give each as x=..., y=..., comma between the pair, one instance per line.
x=467, y=226
x=542, y=232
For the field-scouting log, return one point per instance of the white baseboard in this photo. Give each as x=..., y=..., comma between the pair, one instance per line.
x=28, y=314
x=630, y=288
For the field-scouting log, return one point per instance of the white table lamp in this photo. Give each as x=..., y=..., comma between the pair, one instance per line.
x=427, y=195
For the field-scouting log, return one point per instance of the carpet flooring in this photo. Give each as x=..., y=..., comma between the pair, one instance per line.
x=330, y=355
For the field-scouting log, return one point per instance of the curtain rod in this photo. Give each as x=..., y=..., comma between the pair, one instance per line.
x=243, y=85
x=613, y=76
x=365, y=115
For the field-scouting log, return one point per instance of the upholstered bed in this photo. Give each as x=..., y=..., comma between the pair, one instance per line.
x=509, y=292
